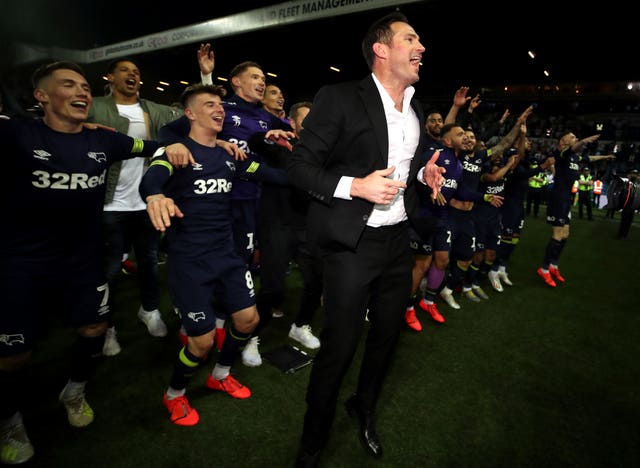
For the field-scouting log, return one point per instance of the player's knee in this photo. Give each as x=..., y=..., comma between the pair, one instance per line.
x=201, y=345
x=246, y=320
x=14, y=363
x=93, y=330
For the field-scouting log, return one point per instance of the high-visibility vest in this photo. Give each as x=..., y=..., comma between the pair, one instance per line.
x=582, y=182
x=574, y=189
x=597, y=187
x=534, y=183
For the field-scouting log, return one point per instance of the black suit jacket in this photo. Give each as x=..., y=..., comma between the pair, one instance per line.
x=345, y=134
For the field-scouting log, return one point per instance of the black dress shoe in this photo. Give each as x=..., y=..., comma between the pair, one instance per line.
x=367, y=433
x=307, y=459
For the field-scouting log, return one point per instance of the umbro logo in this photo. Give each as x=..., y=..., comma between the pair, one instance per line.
x=196, y=166
x=41, y=154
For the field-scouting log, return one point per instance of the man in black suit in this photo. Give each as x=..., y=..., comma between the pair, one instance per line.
x=358, y=156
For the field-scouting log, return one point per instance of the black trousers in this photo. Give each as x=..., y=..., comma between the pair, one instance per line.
x=534, y=197
x=132, y=228
x=279, y=244
x=626, y=218
x=377, y=276
x=584, y=199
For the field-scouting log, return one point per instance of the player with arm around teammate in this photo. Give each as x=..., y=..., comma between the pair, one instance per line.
x=52, y=249
x=193, y=206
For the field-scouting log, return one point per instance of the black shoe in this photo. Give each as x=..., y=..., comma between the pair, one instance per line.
x=367, y=433
x=306, y=459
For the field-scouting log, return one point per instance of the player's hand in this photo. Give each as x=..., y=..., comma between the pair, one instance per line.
x=475, y=102
x=93, y=126
x=280, y=137
x=179, y=155
x=160, y=210
x=233, y=149
x=460, y=98
x=496, y=200
x=206, y=60
x=439, y=199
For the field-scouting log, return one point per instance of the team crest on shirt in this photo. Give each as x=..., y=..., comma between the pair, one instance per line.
x=231, y=165
x=41, y=154
x=237, y=121
x=10, y=340
x=99, y=157
x=263, y=125
x=196, y=167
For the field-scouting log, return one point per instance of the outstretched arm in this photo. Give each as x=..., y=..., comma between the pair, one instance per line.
x=600, y=157
x=580, y=145
x=510, y=137
x=460, y=98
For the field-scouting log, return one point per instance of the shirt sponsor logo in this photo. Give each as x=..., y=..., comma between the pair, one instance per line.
x=212, y=186
x=67, y=181
x=470, y=167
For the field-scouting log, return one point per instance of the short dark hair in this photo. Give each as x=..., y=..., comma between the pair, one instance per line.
x=380, y=31
x=241, y=67
x=111, y=67
x=46, y=70
x=446, y=128
x=199, y=88
x=295, y=109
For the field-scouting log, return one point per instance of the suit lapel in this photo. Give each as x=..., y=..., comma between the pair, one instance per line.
x=373, y=105
x=415, y=162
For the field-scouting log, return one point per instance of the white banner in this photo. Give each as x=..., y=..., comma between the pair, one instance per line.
x=262, y=18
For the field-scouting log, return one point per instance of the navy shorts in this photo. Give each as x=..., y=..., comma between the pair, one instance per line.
x=487, y=222
x=31, y=301
x=441, y=241
x=245, y=227
x=418, y=245
x=195, y=281
x=463, y=244
x=559, y=211
x=512, y=213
